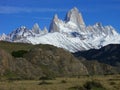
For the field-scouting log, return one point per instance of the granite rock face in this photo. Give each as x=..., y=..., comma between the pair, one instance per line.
x=74, y=16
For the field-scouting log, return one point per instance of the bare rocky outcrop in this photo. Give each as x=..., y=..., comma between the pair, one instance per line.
x=6, y=62
x=74, y=16
x=36, y=29
x=54, y=24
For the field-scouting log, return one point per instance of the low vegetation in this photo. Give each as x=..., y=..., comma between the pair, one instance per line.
x=65, y=83
x=89, y=85
x=93, y=85
x=76, y=88
x=19, y=53
x=43, y=82
x=47, y=78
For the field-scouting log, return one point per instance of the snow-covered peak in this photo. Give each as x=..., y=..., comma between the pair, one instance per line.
x=20, y=29
x=36, y=29
x=54, y=24
x=111, y=31
x=71, y=34
x=19, y=33
x=23, y=27
x=3, y=37
x=72, y=23
x=55, y=18
x=45, y=30
x=74, y=16
x=98, y=24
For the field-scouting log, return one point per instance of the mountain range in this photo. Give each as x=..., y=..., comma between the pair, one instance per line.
x=68, y=48
x=71, y=34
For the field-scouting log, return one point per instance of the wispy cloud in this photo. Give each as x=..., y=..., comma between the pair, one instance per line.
x=43, y=18
x=102, y=8
x=11, y=10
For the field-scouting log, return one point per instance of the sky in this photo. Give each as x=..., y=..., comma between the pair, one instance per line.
x=16, y=13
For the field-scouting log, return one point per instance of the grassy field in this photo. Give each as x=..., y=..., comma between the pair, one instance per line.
x=109, y=82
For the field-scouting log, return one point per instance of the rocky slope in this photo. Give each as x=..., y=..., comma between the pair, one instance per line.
x=56, y=61
x=108, y=54
x=38, y=61
x=26, y=61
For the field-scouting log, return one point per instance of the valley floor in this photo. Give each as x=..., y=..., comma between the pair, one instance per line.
x=109, y=82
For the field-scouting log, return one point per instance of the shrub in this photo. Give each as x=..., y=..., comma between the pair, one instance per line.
x=112, y=83
x=14, y=78
x=19, y=53
x=92, y=85
x=46, y=78
x=114, y=79
x=63, y=81
x=10, y=74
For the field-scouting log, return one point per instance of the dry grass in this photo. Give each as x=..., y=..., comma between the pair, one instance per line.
x=109, y=82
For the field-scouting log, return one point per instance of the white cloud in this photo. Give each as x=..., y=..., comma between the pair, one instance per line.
x=10, y=10
x=42, y=18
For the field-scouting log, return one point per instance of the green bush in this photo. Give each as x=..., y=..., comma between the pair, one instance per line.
x=19, y=53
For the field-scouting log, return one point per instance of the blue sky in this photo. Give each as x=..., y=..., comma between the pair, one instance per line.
x=16, y=13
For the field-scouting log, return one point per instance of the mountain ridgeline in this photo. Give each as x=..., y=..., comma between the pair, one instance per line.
x=27, y=61
x=108, y=54
x=71, y=34
x=35, y=61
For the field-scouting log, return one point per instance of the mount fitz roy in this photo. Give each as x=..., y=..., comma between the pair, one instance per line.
x=71, y=34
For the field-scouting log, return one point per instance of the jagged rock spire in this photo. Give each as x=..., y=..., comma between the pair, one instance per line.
x=74, y=16
x=45, y=30
x=53, y=25
x=36, y=29
x=55, y=18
